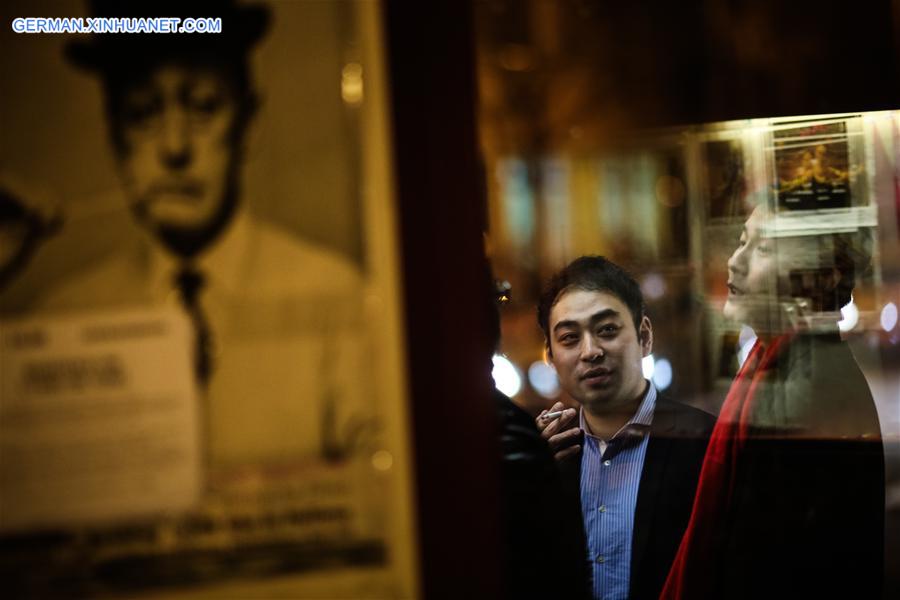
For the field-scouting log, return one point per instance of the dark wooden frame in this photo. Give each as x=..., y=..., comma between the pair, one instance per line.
x=442, y=214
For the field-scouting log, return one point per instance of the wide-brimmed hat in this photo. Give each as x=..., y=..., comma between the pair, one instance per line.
x=243, y=25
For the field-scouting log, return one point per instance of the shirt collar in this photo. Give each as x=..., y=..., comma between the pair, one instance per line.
x=636, y=426
x=220, y=263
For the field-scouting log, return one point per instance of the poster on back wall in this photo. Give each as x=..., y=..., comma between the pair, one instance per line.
x=813, y=167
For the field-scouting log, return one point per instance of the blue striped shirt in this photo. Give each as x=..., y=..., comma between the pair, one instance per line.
x=610, y=476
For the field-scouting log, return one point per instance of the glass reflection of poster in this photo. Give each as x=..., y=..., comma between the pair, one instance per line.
x=200, y=358
x=725, y=182
x=813, y=167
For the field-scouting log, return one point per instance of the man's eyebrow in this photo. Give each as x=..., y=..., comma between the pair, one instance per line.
x=564, y=324
x=606, y=313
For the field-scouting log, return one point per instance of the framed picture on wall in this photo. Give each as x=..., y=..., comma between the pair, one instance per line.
x=814, y=166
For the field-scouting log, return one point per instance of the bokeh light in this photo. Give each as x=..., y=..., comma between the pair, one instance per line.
x=543, y=379
x=648, y=365
x=653, y=286
x=850, y=314
x=889, y=316
x=506, y=376
x=662, y=374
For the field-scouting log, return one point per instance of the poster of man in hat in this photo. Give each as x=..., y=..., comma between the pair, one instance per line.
x=206, y=184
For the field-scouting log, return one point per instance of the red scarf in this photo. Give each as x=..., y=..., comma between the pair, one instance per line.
x=691, y=575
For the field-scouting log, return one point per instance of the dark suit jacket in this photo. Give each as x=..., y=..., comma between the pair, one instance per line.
x=678, y=438
x=807, y=516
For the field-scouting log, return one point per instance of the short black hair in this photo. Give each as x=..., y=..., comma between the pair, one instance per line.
x=594, y=274
x=850, y=254
x=852, y=259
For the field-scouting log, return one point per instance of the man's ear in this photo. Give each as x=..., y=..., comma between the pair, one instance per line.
x=645, y=334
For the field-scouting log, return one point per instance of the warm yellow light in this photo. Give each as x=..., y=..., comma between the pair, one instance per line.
x=352, y=83
x=382, y=460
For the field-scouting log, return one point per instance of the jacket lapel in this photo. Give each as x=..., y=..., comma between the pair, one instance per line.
x=570, y=474
x=651, y=485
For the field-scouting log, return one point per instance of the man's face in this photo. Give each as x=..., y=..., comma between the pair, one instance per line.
x=596, y=351
x=178, y=157
x=760, y=273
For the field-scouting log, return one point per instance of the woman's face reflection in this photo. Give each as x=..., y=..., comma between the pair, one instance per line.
x=765, y=274
x=752, y=274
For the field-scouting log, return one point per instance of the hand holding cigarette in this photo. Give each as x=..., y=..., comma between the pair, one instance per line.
x=549, y=416
x=559, y=426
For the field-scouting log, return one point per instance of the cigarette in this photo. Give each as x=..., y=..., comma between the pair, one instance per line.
x=552, y=415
